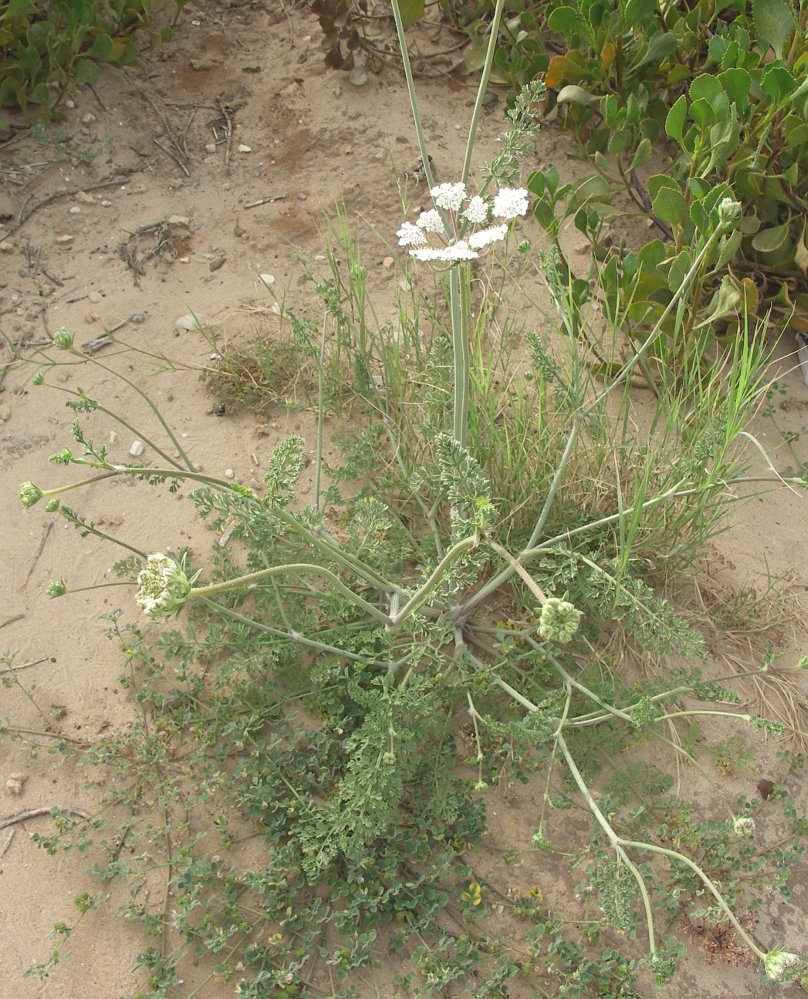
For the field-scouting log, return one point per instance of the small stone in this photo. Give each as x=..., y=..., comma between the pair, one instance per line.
x=105, y=203
x=348, y=150
x=85, y=198
x=213, y=357
x=70, y=103
x=95, y=296
x=113, y=437
x=358, y=76
x=136, y=450
x=88, y=119
x=75, y=210
x=387, y=263
x=15, y=783
x=244, y=149
x=216, y=263
x=6, y=248
x=5, y=412
x=268, y=279
x=229, y=473
x=179, y=220
x=187, y=322
x=210, y=147
x=64, y=239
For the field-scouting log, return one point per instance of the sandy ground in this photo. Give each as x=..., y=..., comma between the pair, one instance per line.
x=83, y=201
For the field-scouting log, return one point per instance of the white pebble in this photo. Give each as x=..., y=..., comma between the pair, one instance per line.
x=268, y=279
x=187, y=322
x=136, y=450
x=244, y=149
x=229, y=473
x=75, y=210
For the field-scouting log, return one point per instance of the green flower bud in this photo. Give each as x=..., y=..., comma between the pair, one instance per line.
x=163, y=587
x=559, y=620
x=63, y=340
x=52, y=505
x=30, y=493
x=39, y=378
x=63, y=457
x=730, y=212
x=56, y=588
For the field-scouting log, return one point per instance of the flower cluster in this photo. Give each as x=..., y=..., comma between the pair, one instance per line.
x=163, y=587
x=777, y=964
x=559, y=620
x=508, y=204
x=29, y=494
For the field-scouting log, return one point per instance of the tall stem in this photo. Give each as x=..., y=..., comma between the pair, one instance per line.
x=461, y=320
x=484, y=78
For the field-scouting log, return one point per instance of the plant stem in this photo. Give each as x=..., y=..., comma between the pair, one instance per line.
x=303, y=568
x=424, y=591
x=484, y=78
x=416, y=114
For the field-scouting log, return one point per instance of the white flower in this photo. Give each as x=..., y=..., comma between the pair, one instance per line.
x=449, y=196
x=559, y=620
x=776, y=962
x=410, y=235
x=744, y=825
x=449, y=254
x=730, y=211
x=510, y=202
x=163, y=587
x=485, y=236
x=476, y=210
x=431, y=221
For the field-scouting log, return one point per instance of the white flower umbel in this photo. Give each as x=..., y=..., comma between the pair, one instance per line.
x=476, y=210
x=744, y=825
x=510, y=202
x=485, y=237
x=449, y=197
x=777, y=963
x=431, y=221
x=410, y=235
x=163, y=587
x=458, y=228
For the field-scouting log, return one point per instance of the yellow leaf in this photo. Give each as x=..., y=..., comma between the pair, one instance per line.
x=607, y=54
x=556, y=70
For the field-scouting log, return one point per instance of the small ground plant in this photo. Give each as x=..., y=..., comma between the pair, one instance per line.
x=462, y=573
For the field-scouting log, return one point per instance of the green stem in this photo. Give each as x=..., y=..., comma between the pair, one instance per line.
x=424, y=591
x=301, y=568
x=416, y=114
x=484, y=78
x=459, y=304
x=290, y=636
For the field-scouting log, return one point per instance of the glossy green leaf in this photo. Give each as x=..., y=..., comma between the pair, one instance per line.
x=772, y=239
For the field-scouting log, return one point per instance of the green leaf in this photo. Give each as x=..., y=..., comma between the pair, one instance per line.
x=574, y=95
x=670, y=206
x=658, y=181
x=638, y=11
x=774, y=22
x=675, y=121
x=564, y=20
x=411, y=11
x=101, y=49
x=85, y=71
x=591, y=189
x=772, y=239
x=662, y=45
x=737, y=83
x=777, y=82
x=642, y=154
x=707, y=87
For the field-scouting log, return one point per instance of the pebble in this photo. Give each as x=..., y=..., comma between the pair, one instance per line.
x=64, y=239
x=15, y=783
x=216, y=263
x=70, y=103
x=136, y=450
x=244, y=149
x=106, y=203
x=229, y=473
x=210, y=147
x=85, y=198
x=268, y=279
x=96, y=296
x=88, y=119
x=178, y=220
x=387, y=263
x=358, y=76
x=5, y=412
x=75, y=210
x=6, y=248
x=187, y=322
